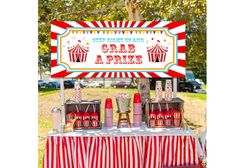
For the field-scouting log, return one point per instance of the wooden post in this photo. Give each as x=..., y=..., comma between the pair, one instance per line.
x=132, y=7
x=62, y=100
x=143, y=84
x=175, y=87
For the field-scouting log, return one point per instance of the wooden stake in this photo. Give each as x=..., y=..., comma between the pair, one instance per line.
x=143, y=84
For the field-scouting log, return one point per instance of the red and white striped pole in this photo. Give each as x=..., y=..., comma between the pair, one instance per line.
x=108, y=118
x=137, y=118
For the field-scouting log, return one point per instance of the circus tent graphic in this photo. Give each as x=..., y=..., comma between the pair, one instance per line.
x=78, y=53
x=157, y=53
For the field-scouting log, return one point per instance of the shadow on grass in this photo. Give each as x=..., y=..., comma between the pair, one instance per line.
x=192, y=125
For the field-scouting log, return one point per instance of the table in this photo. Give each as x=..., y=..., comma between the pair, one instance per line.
x=122, y=148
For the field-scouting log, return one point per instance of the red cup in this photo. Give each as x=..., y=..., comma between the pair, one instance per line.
x=137, y=98
x=108, y=103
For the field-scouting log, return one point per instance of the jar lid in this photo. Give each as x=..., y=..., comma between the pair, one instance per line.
x=55, y=110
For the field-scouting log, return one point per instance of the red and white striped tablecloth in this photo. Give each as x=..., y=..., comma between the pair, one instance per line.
x=155, y=151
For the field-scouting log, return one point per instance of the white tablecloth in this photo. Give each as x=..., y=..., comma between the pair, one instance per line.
x=134, y=131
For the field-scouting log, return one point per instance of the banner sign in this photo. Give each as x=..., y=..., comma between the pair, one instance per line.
x=141, y=49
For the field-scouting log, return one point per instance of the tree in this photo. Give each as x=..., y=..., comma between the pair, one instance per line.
x=191, y=11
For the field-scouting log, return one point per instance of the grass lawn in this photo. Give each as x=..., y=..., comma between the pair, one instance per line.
x=45, y=91
x=195, y=105
x=195, y=95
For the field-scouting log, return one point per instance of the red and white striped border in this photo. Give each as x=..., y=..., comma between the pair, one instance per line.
x=176, y=71
x=120, y=151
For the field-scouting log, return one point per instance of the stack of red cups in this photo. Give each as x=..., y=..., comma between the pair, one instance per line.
x=108, y=118
x=137, y=112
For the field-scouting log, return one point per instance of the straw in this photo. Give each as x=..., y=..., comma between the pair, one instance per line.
x=77, y=107
x=93, y=107
x=87, y=107
x=160, y=109
x=167, y=107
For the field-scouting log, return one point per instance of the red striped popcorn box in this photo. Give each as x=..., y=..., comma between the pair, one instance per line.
x=168, y=90
x=77, y=95
x=158, y=91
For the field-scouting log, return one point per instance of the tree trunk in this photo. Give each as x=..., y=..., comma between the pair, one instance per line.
x=132, y=7
x=143, y=84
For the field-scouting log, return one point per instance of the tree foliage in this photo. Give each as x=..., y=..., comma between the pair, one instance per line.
x=191, y=11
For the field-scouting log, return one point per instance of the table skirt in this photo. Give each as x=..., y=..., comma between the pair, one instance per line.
x=120, y=151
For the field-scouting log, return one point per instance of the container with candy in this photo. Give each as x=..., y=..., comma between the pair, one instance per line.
x=165, y=113
x=123, y=102
x=87, y=113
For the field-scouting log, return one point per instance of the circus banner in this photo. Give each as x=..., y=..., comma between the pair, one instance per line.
x=105, y=49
